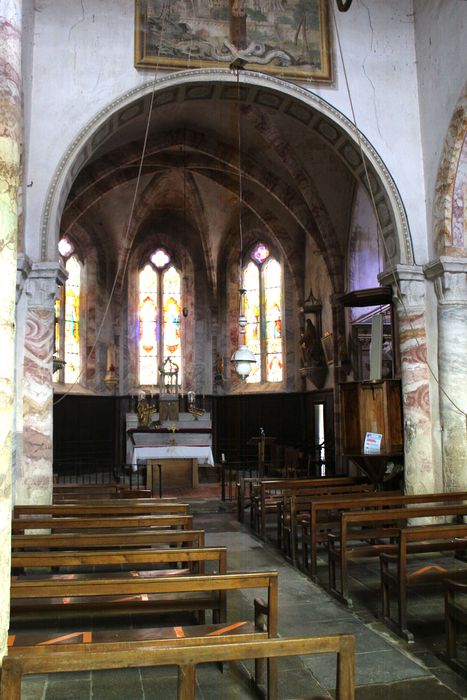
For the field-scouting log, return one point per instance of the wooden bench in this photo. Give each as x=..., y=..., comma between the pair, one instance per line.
x=120, y=561
x=269, y=494
x=91, y=491
x=395, y=573
x=77, y=598
x=186, y=654
x=141, y=522
x=73, y=510
x=295, y=507
x=66, y=496
x=107, y=540
x=324, y=516
x=455, y=613
x=373, y=527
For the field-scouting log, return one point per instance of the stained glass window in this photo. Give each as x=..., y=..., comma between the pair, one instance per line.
x=71, y=343
x=160, y=301
x=148, y=295
x=160, y=258
x=253, y=317
x=57, y=343
x=262, y=281
x=272, y=276
x=260, y=253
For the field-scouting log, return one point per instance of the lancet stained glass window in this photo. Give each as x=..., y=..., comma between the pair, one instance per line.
x=68, y=314
x=71, y=339
x=159, y=308
x=262, y=281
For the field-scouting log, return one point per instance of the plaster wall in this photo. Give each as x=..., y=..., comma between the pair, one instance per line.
x=82, y=59
x=441, y=50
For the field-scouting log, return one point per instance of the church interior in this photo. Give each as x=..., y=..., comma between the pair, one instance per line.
x=234, y=327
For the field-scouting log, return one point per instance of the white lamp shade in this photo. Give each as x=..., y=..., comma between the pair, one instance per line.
x=243, y=359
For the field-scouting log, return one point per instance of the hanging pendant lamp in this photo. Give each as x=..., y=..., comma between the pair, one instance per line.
x=243, y=359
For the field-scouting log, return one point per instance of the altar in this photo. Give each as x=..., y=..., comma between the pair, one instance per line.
x=178, y=445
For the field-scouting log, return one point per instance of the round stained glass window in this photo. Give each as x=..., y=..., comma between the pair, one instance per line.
x=160, y=258
x=260, y=253
x=65, y=247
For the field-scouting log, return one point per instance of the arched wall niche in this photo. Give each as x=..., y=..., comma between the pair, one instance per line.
x=265, y=91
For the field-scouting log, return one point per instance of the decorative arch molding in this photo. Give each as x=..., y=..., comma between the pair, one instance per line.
x=450, y=202
x=262, y=90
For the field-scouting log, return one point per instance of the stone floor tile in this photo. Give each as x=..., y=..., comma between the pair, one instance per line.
x=370, y=667
x=70, y=690
x=419, y=689
x=116, y=684
x=33, y=688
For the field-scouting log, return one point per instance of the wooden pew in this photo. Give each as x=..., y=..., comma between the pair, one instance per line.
x=103, y=523
x=80, y=491
x=107, y=540
x=295, y=507
x=374, y=526
x=324, y=513
x=73, y=510
x=269, y=494
x=186, y=654
x=120, y=561
x=395, y=573
x=66, y=496
x=37, y=599
x=455, y=613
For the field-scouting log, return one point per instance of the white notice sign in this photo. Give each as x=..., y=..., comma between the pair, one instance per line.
x=372, y=445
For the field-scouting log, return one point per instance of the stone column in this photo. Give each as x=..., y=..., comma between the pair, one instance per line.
x=450, y=278
x=409, y=290
x=34, y=473
x=10, y=140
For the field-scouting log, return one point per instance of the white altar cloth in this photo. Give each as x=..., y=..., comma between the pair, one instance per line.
x=203, y=453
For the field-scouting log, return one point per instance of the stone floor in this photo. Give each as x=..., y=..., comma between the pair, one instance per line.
x=386, y=667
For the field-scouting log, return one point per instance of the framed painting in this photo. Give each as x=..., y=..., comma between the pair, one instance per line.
x=287, y=38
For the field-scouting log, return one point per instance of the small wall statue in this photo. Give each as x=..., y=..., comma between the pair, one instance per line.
x=310, y=345
x=144, y=411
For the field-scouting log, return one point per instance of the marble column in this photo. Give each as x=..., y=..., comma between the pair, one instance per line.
x=10, y=140
x=409, y=297
x=34, y=473
x=450, y=278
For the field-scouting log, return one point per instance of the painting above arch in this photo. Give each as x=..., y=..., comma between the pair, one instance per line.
x=288, y=39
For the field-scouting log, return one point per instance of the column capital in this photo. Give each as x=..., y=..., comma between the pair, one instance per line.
x=450, y=279
x=23, y=270
x=408, y=284
x=41, y=287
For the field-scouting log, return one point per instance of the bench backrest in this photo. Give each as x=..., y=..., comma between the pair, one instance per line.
x=131, y=557
x=129, y=586
x=454, y=531
x=281, y=484
x=108, y=540
x=106, y=523
x=371, y=500
x=399, y=514
x=127, y=507
x=184, y=655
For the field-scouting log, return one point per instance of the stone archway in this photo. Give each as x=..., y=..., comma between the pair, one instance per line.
x=327, y=122
x=449, y=274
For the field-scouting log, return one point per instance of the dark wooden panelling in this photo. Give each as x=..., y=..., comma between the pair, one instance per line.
x=92, y=428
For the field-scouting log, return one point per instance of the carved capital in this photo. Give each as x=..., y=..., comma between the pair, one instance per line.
x=450, y=279
x=408, y=284
x=23, y=270
x=41, y=286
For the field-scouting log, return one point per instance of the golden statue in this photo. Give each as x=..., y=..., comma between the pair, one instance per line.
x=144, y=411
